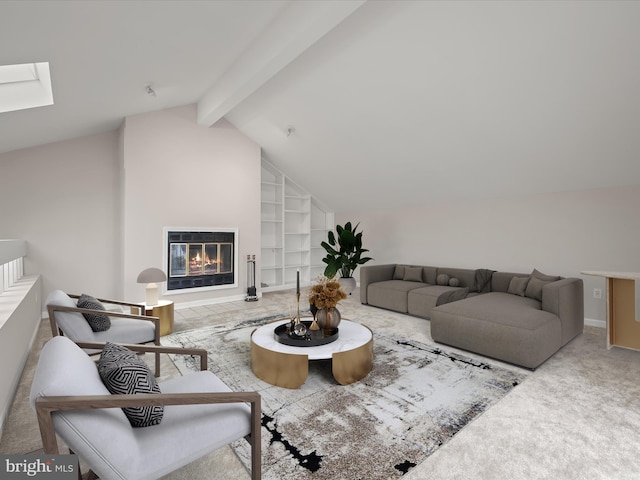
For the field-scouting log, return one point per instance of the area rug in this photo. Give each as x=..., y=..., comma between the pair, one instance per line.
x=415, y=399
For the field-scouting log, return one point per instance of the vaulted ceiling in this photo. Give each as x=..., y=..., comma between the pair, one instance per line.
x=367, y=104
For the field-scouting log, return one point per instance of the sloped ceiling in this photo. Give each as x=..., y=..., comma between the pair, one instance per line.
x=368, y=105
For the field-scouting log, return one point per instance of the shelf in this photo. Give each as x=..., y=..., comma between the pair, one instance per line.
x=292, y=221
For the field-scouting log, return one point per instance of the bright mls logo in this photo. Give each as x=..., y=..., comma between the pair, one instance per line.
x=51, y=467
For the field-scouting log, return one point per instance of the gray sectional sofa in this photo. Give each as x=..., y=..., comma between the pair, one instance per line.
x=519, y=318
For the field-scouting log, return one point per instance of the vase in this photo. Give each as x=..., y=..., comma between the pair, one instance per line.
x=328, y=318
x=348, y=284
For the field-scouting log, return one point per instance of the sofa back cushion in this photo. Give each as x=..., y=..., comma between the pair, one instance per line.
x=429, y=274
x=500, y=280
x=398, y=273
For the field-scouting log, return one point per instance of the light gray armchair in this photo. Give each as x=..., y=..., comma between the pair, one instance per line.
x=67, y=319
x=201, y=414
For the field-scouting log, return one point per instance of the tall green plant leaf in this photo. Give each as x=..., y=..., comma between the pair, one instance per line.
x=348, y=254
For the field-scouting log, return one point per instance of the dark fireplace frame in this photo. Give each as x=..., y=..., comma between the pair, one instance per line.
x=198, y=259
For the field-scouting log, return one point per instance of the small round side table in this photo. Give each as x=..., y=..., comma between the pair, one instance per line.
x=164, y=311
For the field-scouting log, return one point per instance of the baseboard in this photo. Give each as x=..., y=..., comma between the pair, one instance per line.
x=212, y=301
x=592, y=322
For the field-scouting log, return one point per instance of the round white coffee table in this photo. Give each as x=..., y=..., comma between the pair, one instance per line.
x=288, y=366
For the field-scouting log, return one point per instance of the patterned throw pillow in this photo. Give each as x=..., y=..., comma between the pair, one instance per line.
x=97, y=321
x=123, y=372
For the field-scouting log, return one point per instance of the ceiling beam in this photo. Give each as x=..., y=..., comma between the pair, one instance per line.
x=299, y=26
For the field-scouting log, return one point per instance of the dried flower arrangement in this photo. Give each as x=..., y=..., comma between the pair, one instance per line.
x=326, y=293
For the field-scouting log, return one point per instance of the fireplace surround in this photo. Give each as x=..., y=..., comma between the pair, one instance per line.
x=200, y=259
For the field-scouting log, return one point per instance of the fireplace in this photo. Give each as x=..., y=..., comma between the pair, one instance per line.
x=200, y=259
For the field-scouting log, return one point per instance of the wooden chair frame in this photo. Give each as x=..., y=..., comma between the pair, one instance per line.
x=55, y=329
x=46, y=406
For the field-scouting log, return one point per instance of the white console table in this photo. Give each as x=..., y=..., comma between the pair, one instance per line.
x=623, y=315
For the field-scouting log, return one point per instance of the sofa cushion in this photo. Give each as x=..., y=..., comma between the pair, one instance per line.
x=499, y=325
x=518, y=285
x=452, y=295
x=443, y=279
x=398, y=273
x=538, y=280
x=123, y=372
x=98, y=322
x=420, y=301
x=500, y=280
x=391, y=294
x=413, y=274
x=430, y=274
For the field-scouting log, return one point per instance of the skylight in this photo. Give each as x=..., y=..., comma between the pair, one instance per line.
x=26, y=85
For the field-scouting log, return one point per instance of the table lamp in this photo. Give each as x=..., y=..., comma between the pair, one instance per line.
x=151, y=276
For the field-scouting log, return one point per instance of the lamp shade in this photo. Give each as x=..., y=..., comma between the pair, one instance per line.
x=152, y=275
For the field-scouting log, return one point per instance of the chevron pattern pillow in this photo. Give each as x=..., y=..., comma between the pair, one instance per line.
x=123, y=372
x=97, y=321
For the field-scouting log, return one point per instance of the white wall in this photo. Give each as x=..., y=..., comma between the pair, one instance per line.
x=562, y=233
x=180, y=174
x=61, y=198
x=92, y=209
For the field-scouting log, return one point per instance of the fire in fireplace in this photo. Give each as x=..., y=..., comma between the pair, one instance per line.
x=204, y=258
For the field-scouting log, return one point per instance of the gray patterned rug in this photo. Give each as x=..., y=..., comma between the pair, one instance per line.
x=414, y=400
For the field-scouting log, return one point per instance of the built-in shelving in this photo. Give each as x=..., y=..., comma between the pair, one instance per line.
x=293, y=225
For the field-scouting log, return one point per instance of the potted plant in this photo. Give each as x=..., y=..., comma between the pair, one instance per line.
x=344, y=254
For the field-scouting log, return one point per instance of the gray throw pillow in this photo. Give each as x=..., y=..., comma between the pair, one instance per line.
x=442, y=279
x=413, y=274
x=518, y=285
x=538, y=280
x=97, y=321
x=454, y=282
x=123, y=372
x=398, y=273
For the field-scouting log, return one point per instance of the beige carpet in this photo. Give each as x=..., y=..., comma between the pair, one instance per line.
x=576, y=417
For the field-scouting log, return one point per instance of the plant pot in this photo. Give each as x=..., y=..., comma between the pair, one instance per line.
x=328, y=318
x=348, y=284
